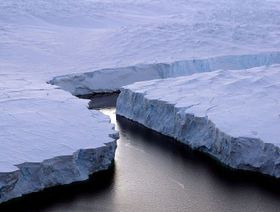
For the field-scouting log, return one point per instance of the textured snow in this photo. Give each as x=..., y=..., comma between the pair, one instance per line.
x=116, y=34
x=63, y=37
x=232, y=115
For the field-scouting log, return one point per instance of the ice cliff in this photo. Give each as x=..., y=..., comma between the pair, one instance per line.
x=115, y=78
x=234, y=116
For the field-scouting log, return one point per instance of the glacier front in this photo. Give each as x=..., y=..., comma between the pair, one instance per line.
x=234, y=116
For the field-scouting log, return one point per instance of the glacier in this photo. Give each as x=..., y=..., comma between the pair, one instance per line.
x=234, y=116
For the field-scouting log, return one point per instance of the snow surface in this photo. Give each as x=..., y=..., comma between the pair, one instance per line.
x=39, y=122
x=57, y=37
x=232, y=115
x=119, y=35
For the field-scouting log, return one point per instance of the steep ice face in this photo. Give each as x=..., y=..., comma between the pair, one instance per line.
x=231, y=115
x=115, y=78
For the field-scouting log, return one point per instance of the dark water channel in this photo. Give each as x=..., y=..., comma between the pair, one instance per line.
x=154, y=173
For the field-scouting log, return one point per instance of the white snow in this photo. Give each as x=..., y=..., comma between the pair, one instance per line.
x=40, y=40
x=124, y=34
x=39, y=122
x=232, y=115
x=58, y=37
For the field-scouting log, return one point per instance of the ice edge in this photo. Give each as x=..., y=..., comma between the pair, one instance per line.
x=93, y=82
x=61, y=170
x=200, y=133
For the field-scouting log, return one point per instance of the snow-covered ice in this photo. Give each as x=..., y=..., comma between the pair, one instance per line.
x=162, y=31
x=54, y=38
x=232, y=115
x=48, y=137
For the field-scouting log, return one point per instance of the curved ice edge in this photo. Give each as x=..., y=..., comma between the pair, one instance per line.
x=61, y=170
x=200, y=133
x=93, y=81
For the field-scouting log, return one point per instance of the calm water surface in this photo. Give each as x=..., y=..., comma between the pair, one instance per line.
x=153, y=173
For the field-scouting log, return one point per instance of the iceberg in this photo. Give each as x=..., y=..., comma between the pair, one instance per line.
x=234, y=116
x=49, y=138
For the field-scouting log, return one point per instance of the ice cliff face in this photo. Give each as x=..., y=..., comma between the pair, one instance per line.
x=61, y=170
x=115, y=78
x=231, y=115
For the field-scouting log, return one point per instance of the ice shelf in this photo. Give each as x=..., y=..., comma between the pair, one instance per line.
x=48, y=137
x=233, y=116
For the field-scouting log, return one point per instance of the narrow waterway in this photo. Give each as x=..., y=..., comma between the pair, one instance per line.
x=155, y=173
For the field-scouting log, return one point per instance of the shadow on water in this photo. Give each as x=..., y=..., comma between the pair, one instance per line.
x=98, y=101
x=153, y=172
